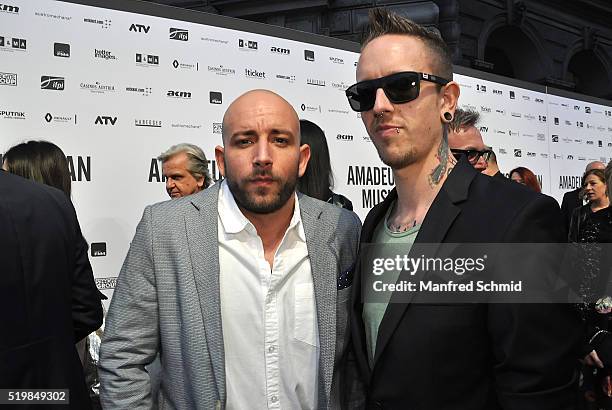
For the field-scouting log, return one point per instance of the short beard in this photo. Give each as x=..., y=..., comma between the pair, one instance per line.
x=250, y=204
x=399, y=162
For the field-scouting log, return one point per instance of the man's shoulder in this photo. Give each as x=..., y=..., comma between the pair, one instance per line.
x=508, y=193
x=172, y=207
x=22, y=190
x=327, y=213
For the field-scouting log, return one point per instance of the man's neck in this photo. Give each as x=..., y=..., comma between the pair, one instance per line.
x=271, y=227
x=418, y=184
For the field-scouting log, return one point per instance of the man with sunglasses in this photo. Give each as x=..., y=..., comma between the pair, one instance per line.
x=473, y=356
x=465, y=139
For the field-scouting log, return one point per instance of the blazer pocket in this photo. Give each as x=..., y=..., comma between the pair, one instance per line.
x=305, y=324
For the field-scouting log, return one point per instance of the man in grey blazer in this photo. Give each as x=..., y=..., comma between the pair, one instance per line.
x=241, y=288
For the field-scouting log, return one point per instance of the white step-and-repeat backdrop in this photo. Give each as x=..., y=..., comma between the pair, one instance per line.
x=114, y=89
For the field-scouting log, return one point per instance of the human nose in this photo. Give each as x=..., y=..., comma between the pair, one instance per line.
x=381, y=102
x=263, y=154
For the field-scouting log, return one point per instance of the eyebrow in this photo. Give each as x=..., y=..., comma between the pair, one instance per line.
x=253, y=133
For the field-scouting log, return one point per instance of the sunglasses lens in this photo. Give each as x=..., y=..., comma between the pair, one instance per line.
x=361, y=96
x=402, y=88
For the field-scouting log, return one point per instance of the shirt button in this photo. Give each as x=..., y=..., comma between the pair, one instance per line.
x=274, y=399
x=271, y=349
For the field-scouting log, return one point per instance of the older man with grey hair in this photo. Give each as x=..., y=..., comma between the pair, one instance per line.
x=185, y=169
x=465, y=139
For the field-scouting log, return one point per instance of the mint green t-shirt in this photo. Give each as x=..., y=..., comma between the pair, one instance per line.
x=374, y=312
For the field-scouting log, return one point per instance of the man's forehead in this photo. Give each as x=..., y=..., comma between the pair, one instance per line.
x=392, y=53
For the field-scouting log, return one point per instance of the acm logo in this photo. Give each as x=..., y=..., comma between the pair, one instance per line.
x=344, y=137
x=105, y=120
x=9, y=9
x=179, y=94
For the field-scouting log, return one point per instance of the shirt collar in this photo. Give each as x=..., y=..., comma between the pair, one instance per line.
x=234, y=221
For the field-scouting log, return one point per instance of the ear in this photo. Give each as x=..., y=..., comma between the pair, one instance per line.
x=200, y=183
x=220, y=158
x=304, y=157
x=449, y=95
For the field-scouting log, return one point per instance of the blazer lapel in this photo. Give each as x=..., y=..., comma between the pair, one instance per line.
x=323, y=266
x=439, y=218
x=202, y=233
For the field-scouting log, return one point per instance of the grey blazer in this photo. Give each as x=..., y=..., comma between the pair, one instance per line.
x=167, y=301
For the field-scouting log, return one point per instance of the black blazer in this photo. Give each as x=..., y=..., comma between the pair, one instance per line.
x=571, y=201
x=48, y=298
x=472, y=356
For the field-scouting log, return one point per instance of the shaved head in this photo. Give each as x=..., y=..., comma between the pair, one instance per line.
x=595, y=165
x=254, y=103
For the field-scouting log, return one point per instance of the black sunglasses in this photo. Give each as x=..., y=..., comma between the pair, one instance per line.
x=399, y=88
x=473, y=155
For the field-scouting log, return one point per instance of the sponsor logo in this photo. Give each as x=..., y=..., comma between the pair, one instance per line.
x=186, y=95
x=516, y=114
x=587, y=110
x=609, y=143
x=187, y=126
x=147, y=123
x=498, y=92
x=179, y=34
x=503, y=151
x=12, y=115
x=290, y=78
x=608, y=113
x=140, y=28
x=341, y=86
x=106, y=283
x=221, y=70
x=310, y=108
x=98, y=249
x=106, y=23
x=566, y=106
x=144, y=91
x=484, y=129
x=556, y=120
x=48, y=82
x=251, y=73
x=337, y=111
x=513, y=133
x=528, y=135
x=590, y=142
x=105, y=120
x=217, y=128
x=62, y=119
x=570, y=157
x=600, y=128
x=518, y=152
x=581, y=158
x=314, y=81
x=481, y=88
x=589, y=126
x=526, y=98
x=52, y=16
x=336, y=60
x=566, y=140
x=568, y=122
x=539, y=101
x=600, y=144
x=501, y=112
x=247, y=45
x=98, y=87
x=485, y=109
x=543, y=155
x=556, y=156
x=576, y=108
x=147, y=60
x=61, y=50
x=7, y=8
x=529, y=117
x=280, y=50
x=12, y=43
x=542, y=118
x=512, y=95
x=214, y=40
x=309, y=55
x=500, y=132
x=531, y=154
x=104, y=54
x=185, y=66
x=579, y=124
x=578, y=140
x=8, y=79
x=216, y=97
x=344, y=137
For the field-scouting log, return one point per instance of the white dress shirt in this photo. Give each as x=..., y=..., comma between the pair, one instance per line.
x=269, y=317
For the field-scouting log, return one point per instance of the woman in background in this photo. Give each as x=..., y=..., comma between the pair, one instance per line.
x=524, y=176
x=45, y=162
x=318, y=179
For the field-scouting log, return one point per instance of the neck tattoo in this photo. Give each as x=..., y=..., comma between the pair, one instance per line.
x=436, y=175
x=402, y=227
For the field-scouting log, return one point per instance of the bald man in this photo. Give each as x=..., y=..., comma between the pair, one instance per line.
x=241, y=288
x=573, y=199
